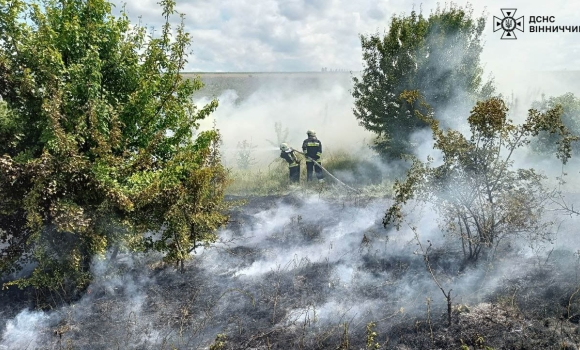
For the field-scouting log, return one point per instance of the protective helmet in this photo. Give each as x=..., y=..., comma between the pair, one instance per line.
x=284, y=147
x=311, y=132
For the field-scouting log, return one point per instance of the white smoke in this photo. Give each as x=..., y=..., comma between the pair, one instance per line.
x=318, y=102
x=26, y=330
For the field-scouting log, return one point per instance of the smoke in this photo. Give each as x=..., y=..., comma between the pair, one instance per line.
x=321, y=102
x=297, y=260
x=109, y=313
x=285, y=266
x=25, y=330
x=293, y=263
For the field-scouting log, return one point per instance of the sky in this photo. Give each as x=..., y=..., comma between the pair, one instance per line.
x=306, y=35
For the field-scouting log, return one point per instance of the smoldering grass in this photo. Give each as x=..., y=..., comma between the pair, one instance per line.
x=264, y=286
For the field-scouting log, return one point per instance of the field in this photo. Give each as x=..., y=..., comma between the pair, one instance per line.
x=245, y=84
x=300, y=272
x=311, y=266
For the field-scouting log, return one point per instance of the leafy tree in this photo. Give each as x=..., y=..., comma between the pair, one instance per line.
x=481, y=198
x=546, y=143
x=438, y=55
x=97, y=146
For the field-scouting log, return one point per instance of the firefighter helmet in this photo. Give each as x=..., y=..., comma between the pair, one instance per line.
x=311, y=132
x=284, y=147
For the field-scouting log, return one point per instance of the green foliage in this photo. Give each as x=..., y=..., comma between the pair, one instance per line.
x=546, y=143
x=478, y=194
x=97, y=141
x=438, y=55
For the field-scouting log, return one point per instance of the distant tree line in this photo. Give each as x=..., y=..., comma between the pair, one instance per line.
x=325, y=69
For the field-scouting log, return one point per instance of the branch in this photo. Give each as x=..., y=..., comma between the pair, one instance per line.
x=425, y=254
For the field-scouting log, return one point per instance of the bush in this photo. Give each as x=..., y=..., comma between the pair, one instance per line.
x=98, y=149
x=481, y=198
x=546, y=143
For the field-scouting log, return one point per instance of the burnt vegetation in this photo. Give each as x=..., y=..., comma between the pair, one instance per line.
x=254, y=293
x=115, y=231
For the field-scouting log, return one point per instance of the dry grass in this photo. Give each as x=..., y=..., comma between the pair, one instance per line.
x=359, y=173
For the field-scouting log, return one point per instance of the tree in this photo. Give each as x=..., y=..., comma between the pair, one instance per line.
x=245, y=155
x=98, y=149
x=480, y=197
x=281, y=135
x=546, y=143
x=438, y=55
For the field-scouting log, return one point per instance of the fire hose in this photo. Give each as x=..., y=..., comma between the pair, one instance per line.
x=328, y=172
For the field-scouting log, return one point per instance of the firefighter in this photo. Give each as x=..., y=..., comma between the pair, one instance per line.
x=288, y=154
x=312, y=148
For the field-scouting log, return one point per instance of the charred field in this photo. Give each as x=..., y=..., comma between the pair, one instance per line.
x=304, y=272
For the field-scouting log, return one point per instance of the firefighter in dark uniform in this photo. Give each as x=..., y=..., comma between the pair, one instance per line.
x=312, y=148
x=288, y=154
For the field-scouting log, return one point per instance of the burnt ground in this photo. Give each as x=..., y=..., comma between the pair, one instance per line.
x=304, y=273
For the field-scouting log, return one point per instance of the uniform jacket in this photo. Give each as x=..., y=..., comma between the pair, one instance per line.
x=291, y=158
x=312, y=147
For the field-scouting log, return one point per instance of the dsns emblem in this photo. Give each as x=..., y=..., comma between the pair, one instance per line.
x=508, y=23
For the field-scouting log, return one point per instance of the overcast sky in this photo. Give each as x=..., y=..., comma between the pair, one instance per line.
x=306, y=35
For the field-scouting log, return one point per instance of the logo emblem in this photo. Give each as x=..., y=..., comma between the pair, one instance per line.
x=508, y=24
